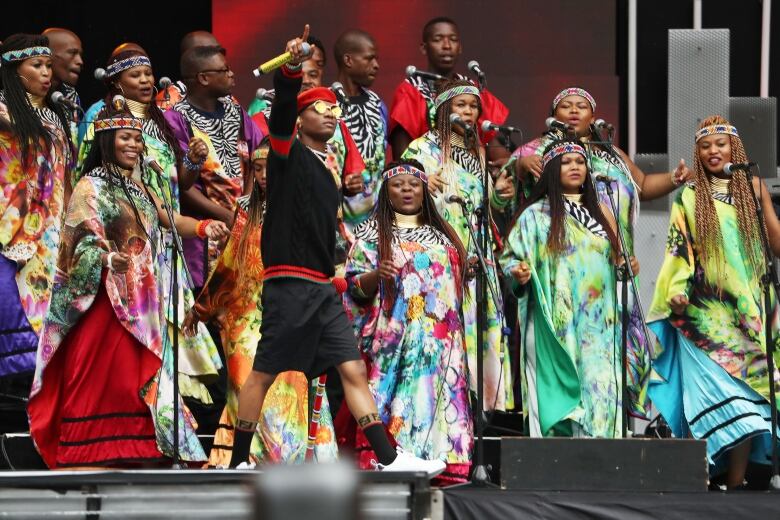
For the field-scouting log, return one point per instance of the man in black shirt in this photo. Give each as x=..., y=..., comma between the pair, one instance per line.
x=304, y=324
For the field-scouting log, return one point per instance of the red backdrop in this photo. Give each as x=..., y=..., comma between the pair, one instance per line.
x=529, y=50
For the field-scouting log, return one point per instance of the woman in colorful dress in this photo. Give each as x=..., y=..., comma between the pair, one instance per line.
x=708, y=310
x=561, y=254
x=130, y=84
x=103, y=388
x=35, y=161
x=455, y=165
x=405, y=274
x=576, y=107
x=231, y=298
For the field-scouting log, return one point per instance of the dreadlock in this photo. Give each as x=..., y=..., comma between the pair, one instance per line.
x=549, y=186
x=444, y=127
x=253, y=222
x=385, y=217
x=708, y=229
x=25, y=123
x=154, y=112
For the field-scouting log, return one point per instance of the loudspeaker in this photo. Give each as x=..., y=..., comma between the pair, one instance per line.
x=756, y=121
x=651, y=163
x=565, y=464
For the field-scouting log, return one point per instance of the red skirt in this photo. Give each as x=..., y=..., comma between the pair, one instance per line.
x=89, y=411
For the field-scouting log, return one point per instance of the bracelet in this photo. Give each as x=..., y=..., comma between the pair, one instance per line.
x=109, y=262
x=191, y=166
x=200, y=229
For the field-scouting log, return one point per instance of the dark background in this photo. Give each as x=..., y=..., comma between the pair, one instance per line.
x=529, y=49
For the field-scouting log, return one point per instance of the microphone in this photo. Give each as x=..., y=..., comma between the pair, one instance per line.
x=341, y=94
x=728, y=168
x=456, y=120
x=149, y=162
x=553, y=124
x=100, y=74
x=59, y=98
x=473, y=66
x=267, y=95
x=282, y=59
x=604, y=178
x=603, y=125
x=411, y=70
x=487, y=126
x=454, y=199
x=119, y=103
x=164, y=82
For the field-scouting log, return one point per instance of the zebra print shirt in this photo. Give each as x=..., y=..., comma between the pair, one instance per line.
x=581, y=214
x=425, y=235
x=365, y=121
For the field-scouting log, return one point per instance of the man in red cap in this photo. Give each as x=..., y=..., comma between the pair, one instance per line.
x=304, y=324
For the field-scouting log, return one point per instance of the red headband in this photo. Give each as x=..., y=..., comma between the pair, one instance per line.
x=315, y=94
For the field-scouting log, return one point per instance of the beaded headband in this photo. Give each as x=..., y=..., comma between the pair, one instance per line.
x=716, y=129
x=118, y=123
x=453, y=92
x=127, y=63
x=260, y=153
x=562, y=149
x=574, y=91
x=25, y=54
x=405, y=169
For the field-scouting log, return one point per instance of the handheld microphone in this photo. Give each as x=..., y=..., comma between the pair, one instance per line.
x=456, y=120
x=473, y=66
x=487, y=126
x=119, y=103
x=164, y=82
x=411, y=71
x=604, y=178
x=341, y=94
x=731, y=168
x=454, y=199
x=553, y=124
x=282, y=59
x=149, y=162
x=59, y=98
x=267, y=95
x=601, y=124
x=100, y=74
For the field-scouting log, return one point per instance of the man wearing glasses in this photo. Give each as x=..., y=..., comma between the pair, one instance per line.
x=228, y=135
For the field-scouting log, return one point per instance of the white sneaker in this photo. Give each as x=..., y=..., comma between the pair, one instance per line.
x=405, y=461
x=246, y=465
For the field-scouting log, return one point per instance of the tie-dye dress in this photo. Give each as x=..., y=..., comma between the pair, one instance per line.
x=103, y=388
x=710, y=377
x=465, y=177
x=571, y=342
x=415, y=346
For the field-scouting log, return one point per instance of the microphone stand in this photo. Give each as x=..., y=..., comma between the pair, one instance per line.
x=479, y=476
x=176, y=253
x=769, y=280
x=626, y=275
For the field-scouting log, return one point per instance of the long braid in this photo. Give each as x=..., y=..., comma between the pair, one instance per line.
x=443, y=126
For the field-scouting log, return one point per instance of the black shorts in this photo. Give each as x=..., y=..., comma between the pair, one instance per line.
x=304, y=328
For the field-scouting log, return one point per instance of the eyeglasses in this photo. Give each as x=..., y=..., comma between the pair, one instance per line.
x=216, y=71
x=321, y=107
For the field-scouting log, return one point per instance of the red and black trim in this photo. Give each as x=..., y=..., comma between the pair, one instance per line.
x=292, y=271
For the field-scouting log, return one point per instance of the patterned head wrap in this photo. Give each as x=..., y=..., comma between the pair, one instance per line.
x=716, y=129
x=454, y=92
x=118, y=122
x=128, y=63
x=260, y=153
x=566, y=147
x=25, y=54
x=574, y=91
x=405, y=169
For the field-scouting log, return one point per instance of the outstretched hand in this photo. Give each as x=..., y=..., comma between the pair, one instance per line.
x=295, y=47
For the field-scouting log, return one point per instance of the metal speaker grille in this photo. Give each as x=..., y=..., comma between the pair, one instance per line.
x=651, y=163
x=756, y=120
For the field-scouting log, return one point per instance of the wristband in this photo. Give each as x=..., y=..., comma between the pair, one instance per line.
x=200, y=229
x=191, y=166
x=109, y=261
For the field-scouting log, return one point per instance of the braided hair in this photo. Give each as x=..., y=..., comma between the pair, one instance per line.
x=443, y=127
x=154, y=112
x=25, y=123
x=385, y=218
x=549, y=186
x=710, y=238
x=253, y=222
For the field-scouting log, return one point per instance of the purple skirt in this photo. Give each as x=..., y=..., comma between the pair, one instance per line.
x=18, y=341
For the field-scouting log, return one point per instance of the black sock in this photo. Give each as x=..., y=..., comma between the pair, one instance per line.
x=377, y=438
x=242, y=442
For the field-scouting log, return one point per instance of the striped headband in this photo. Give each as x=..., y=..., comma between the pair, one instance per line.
x=562, y=149
x=127, y=63
x=405, y=169
x=260, y=153
x=716, y=129
x=453, y=92
x=25, y=54
x=574, y=91
x=118, y=123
